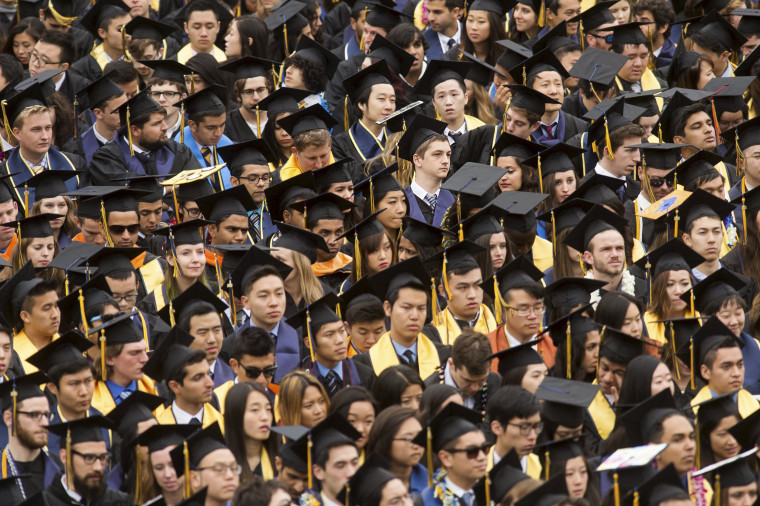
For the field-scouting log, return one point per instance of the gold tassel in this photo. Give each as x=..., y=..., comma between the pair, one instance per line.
x=109, y=239
x=488, y=489
x=14, y=396
x=308, y=332
x=607, y=140
x=716, y=125
x=547, y=457
x=673, y=346
x=357, y=257
x=651, y=63
x=540, y=182
x=541, y=15
x=446, y=278
x=309, y=444
x=8, y=130
x=127, y=57
x=717, y=490
x=345, y=113
x=82, y=312
x=129, y=134
x=645, y=179
x=744, y=217
x=171, y=314
x=186, y=490
x=554, y=234
x=258, y=121
x=581, y=37
x=596, y=95
x=569, y=355
x=102, y=341
x=371, y=197
x=233, y=310
x=525, y=76
x=461, y=232
x=616, y=488
x=691, y=362
x=182, y=121
x=498, y=304
x=580, y=260
x=434, y=303
x=739, y=156
x=635, y=498
x=69, y=467
x=287, y=51
x=26, y=200
x=76, y=117
x=429, y=456
x=437, y=115
x=138, y=476
x=459, y=208
x=348, y=489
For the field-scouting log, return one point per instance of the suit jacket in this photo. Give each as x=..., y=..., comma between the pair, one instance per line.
x=435, y=51
x=573, y=105
x=567, y=127
x=237, y=128
x=354, y=373
x=419, y=210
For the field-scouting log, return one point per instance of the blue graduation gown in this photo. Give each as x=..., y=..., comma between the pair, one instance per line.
x=222, y=373
x=56, y=161
x=445, y=200
x=196, y=149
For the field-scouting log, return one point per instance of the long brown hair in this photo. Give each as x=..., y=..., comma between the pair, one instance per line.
x=292, y=389
x=19, y=258
x=750, y=251
x=69, y=227
x=480, y=105
x=660, y=305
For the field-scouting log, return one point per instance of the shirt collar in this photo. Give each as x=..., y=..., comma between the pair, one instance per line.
x=401, y=349
x=72, y=493
x=455, y=489
x=116, y=390
x=604, y=172
x=420, y=192
x=445, y=40
x=183, y=417
x=324, y=371
x=137, y=148
x=98, y=136
x=60, y=81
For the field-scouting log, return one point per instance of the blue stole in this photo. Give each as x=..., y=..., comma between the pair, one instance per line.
x=164, y=158
x=63, y=240
x=751, y=355
x=222, y=373
x=89, y=143
x=539, y=137
x=56, y=161
x=196, y=149
x=364, y=142
x=428, y=497
x=266, y=227
x=114, y=479
x=352, y=47
x=445, y=200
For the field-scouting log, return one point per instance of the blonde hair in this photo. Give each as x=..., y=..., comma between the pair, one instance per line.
x=34, y=109
x=170, y=282
x=311, y=288
x=292, y=389
x=481, y=105
x=405, y=172
x=69, y=222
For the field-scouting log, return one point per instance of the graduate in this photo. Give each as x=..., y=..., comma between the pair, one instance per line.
x=312, y=145
x=418, y=238
x=104, y=22
x=254, y=82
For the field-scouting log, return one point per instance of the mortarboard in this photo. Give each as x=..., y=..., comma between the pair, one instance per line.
x=13, y=106
x=512, y=145
x=310, y=118
x=711, y=334
x=735, y=471
x=681, y=63
x=420, y=130
x=366, y=484
x=474, y=185
x=554, y=39
x=716, y=286
x=565, y=401
x=82, y=430
x=317, y=54
x=514, y=53
x=189, y=454
x=630, y=467
x=377, y=185
x=382, y=14
x=313, y=316
x=717, y=28
x=282, y=100
x=482, y=72
x=137, y=107
x=359, y=292
x=170, y=356
x=409, y=273
x=715, y=409
x=549, y=493
x=460, y=255
x=660, y=488
x=674, y=255
x=251, y=152
x=743, y=136
x=148, y=184
x=396, y=57
x=640, y=419
x=662, y=156
x=158, y=437
x=368, y=227
x=358, y=83
x=671, y=116
x=594, y=17
x=250, y=66
x=300, y=240
x=119, y=330
x=558, y=451
x=289, y=19
x=575, y=325
x=439, y=71
x=13, y=292
x=567, y=215
x=557, y=158
x=628, y=33
x=49, y=184
x=326, y=206
x=219, y=205
x=95, y=94
x=698, y=205
x=171, y=70
x=64, y=12
x=621, y=344
x=517, y=356
x=484, y=222
x=422, y=234
x=499, y=7
x=280, y=196
x=34, y=226
x=398, y=120
x=598, y=67
x=500, y=479
x=529, y=99
x=747, y=431
x=76, y=305
x=146, y=28
x=749, y=24
x=249, y=263
x=110, y=260
x=175, y=310
x=452, y=422
x=519, y=272
x=610, y=119
x=18, y=389
x=598, y=220
x=571, y=292
x=93, y=19
x=543, y=61
x=67, y=348
x=337, y=172
x=205, y=101
x=728, y=92
x=520, y=208
x=645, y=99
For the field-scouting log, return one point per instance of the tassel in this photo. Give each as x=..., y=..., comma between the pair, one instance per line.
x=691, y=361
x=717, y=490
x=580, y=260
x=182, y=121
x=645, y=179
x=8, y=130
x=673, y=346
x=459, y=209
x=434, y=303
x=461, y=232
x=233, y=310
x=498, y=304
x=102, y=341
x=371, y=196
x=176, y=203
x=109, y=240
x=82, y=312
x=716, y=125
x=541, y=15
x=446, y=278
x=309, y=444
x=607, y=140
x=488, y=489
x=635, y=498
x=698, y=456
x=616, y=488
x=308, y=332
x=540, y=182
x=691, y=302
x=171, y=314
x=348, y=489
x=345, y=113
x=569, y=355
x=138, y=475
x=525, y=76
x=287, y=51
x=651, y=63
x=218, y=271
x=129, y=136
x=739, y=156
x=547, y=463
x=744, y=217
x=676, y=220
x=429, y=456
x=14, y=396
x=76, y=117
x=258, y=121
x=554, y=234
x=357, y=258
x=26, y=201
x=127, y=57
x=581, y=37
x=186, y=490
x=69, y=467
x=437, y=115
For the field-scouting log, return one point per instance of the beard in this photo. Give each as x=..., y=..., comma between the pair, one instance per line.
x=155, y=145
x=90, y=492
x=28, y=439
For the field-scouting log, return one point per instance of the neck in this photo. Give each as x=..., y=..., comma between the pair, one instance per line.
x=187, y=406
x=751, y=181
x=250, y=116
x=171, y=119
x=481, y=50
x=427, y=182
x=588, y=103
x=31, y=157
x=183, y=282
x=403, y=473
x=413, y=76
x=175, y=497
x=37, y=339
x=461, y=481
x=709, y=267
x=262, y=325
x=456, y=124
x=253, y=452
x=327, y=363
x=644, y=195
x=721, y=71
x=200, y=50
x=605, y=163
x=120, y=380
x=293, y=287
x=451, y=30
x=403, y=341
x=658, y=42
x=103, y=130
x=612, y=281
x=677, y=314
x=550, y=117
x=372, y=126
x=115, y=54
x=69, y=414
x=501, y=448
x=20, y=452
x=522, y=338
x=211, y=501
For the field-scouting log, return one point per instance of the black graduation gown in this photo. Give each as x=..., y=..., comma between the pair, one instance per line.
x=335, y=92
x=493, y=381
x=82, y=41
x=632, y=187
x=88, y=68
x=56, y=494
x=237, y=128
x=648, y=230
x=334, y=23
x=733, y=262
x=573, y=105
x=474, y=146
x=72, y=83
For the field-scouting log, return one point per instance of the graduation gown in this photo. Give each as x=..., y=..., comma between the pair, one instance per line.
x=113, y=160
x=430, y=355
x=83, y=41
x=85, y=145
x=360, y=145
x=24, y=347
x=493, y=381
x=222, y=372
x=57, y=160
x=9, y=468
x=54, y=440
x=419, y=210
x=103, y=401
x=567, y=127
x=499, y=342
x=746, y=403
x=91, y=66
x=237, y=129
x=449, y=327
x=110, y=497
x=72, y=83
x=475, y=146
x=573, y=105
x=211, y=415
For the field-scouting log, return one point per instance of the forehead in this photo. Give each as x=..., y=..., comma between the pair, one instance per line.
x=202, y=17
x=448, y=86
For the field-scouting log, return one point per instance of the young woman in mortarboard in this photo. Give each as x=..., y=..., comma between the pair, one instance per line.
x=358, y=406
x=37, y=244
x=302, y=400
x=483, y=27
x=246, y=36
x=525, y=21
x=387, y=194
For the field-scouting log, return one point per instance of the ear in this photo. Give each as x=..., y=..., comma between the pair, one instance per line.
x=686, y=238
x=64, y=66
x=456, y=12
x=184, y=26
x=16, y=131
x=234, y=181
x=353, y=23
x=535, y=126
x=440, y=290
x=234, y=364
x=278, y=464
x=387, y=308
x=169, y=259
x=195, y=476
x=348, y=328
x=588, y=257
x=306, y=341
x=286, y=216
x=212, y=231
x=496, y=428
x=663, y=29
x=640, y=172
x=677, y=139
x=244, y=301
x=53, y=389
x=606, y=152
x=318, y=472
x=26, y=317
x=416, y=160
x=8, y=418
x=445, y=458
x=250, y=41
x=193, y=125
x=102, y=33
x=294, y=151
x=174, y=387
x=725, y=55
x=705, y=372
x=62, y=456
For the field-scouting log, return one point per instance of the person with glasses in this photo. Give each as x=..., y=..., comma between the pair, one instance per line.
x=252, y=360
x=463, y=451
x=55, y=51
x=167, y=87
x=185, y=197
x=86, y=459
x=747, y=135
x=26, y=414
x=253, y=83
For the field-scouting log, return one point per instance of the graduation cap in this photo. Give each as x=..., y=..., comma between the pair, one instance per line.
x=439, y=71
x=592, y=18
x=252, y=152
x=674, y=255
x=377, y=185
x=630, y=467
x=398, y=120
x=280, y=196
x=557, y=158
x=409, y=273
x=383, y=15
x=644, y=99
x=743, y=136
x=82, y=430
x=191, y=452
x=671, y=116
x=67, y=348
x=326, y=206
x=34, y=226
x=359, y=292
x=482, y=72
x=171, y=70
x=137, y=107
x=747, y=431
x=170, y=356
x=289, y=19
x=500, y=479
x=517, y=356
x=99, y=91
x=661, y=156
x=476, y=181
x=452, y=422
x=747, y=66
x=18, y=389
x=358, y=83
x=749, y=24
x=175, y=310
x=13, y=292
x=395, y=56
x=512, y=145
x=735, y=471
x=575, y=325
x=136, y=408
x=750, y=203
x=110, y=260
x=254, y=259
x=571, y=292
x=421, y=234
x=146, y=28
x=717, y=28
x=711, y=334
x=549, y=493
x=153, y=192
x=728, y=92
x=420, y=130
x=597, y=221
x=717, y=285
x=517, y=273
x=119, y=330
x=484, y=222
x=543, y=61
x=461, y=255
x=5, y=191
x=368, y=227
x=519, y=208
x=282, y=100
x=64, y=12
x=529, y=99
x=250, y=66
x=514, y=53
x=70, y=258
x=499, y=7
x=300, y=240
x=559, y=451
x=317, y=54
x=94, y=18
x=715, y=409
x=367, y=483
x=660, y=488
x=565, y=401
x=313, y=316
x=77, y=303
x=598, y=67
x=566, y=215
x=611, y=119
x=13, y=106
x=219, y=205
x=628, y=33
x=681, y=63
x=640, y=419
x=337, y=172
x=621, y=344
x=205, y=101
x=698, y=205
x=310, y=118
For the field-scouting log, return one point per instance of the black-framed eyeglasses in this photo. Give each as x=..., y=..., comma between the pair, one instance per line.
x=168, y=94
x=120, y=229
x=258, y=91
x=192, y=212
x=657, y=182
x=256, y=179
x=255, y=372
x=132, y=297
x=36, y=416
x=90, y=458
x=472, y=452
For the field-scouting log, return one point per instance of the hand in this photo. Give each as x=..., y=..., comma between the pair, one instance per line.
x=502, y=97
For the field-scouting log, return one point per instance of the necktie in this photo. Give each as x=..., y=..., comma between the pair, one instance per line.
x=455, y=135
x=451, y=43
x=206, y=153
x=143, y=157
x=409, y=357
x=332, y=383
x=274, y=337
x=468, y=498
x=621, y=193
x=253, y=223
x=551, y=130
x=431, y=199
x=124, y=394
x=211, y=374
x=194, y=421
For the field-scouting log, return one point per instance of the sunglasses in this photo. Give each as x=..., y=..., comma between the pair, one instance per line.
x=254, y=372
x=473, y=452
x=605, y=38
x=119, y=229
x=656, y=183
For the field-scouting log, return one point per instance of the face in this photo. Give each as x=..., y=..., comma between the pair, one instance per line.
x=74, y=391
x=679, y=282
x=661, y=379
x=197, y=386
x=591, y=354
x=283, y=138
x=610, y=376
x=331, y=231
x=163, y=470
x=89, y=479
x=219, y=474
x=679, y=434
x=638, y=59
x=715, y=187
x=364, y=335
x=467, y=383
x=22, y=45
x=124, y=292
x=254, y=91
x=632, y=322
x=124, y=227
x=152, y=135
x=208, y=131
x=36, y=134
x=370, y=32
x=524, y=16
x=256, y=179
x=233, y=230
x=313, y=157
x=435, y=161
x=395, y=494
x=403, y=452
x=732, y=316
x=533, y=377
x=466, y=294
x=381, y=259
x=706, y=73
x=565, y=183
x=568, y=61
x=550, y=84
x=458, y=464
x=342, y=463
x=626, y=158
x=6, y=352
x=750, y=45
x=607, y=253
x=294, y=78
x=112, y=36
x=727, y=371
x=266, y=301
x=167, y=95
x=698, y=132
x=449, y=99
x=406, y=249
x=150, y=216
x=477, y=26
x=576, y=475
x=417, y=50
x=313, y=407
x=411, y=396
x=33, y=434
x=512, y=180
x=258, y=416
x=521, y=302
x=129, y=363
x=207, y=332
x=191, y=259
x=44, y=56
x=408, y=313
x=497, y=250
x=440, y=18
x=742, y=496
x=202, y=29
x=294, y=481
x=361, y=416
x=621, y=11
x=41, y=251
x=381, y=103
x=331, y=343
x=8, y=213
x=722, y=443
x=45, y=316
x=232, y=45
x=705, y=238
x=394, y=204
x=517, y=123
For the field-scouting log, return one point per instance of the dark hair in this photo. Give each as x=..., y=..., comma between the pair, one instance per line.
x=108, y=16
x=709, y=42
x=750, y=250
x=235, y=407
x=205, y=65
x=662, y=13
x=405, y=34
x=58, y=371
x=712, y=351
x=637, y=380
x=46, y=286
x=257, y=274
x=256, y=491
x=584, y=86
x=159, y=81
x=613, y=307
x=196, y=308
x=618, y=137
x=656, y=432
x=343, y=400
x=314, y=76
x=253, y=28
x=33, y=27
x=63, y=126
x=619, y=48
x=686, y=113
x=365, y=311
x=495, y=32
x=198, y=117
x=252, y=341
x=196, y=357
x=534, y=289
x=385, y=428
x=392, y=382
x=694, y=184
x=567, y=48
x=140, y=122
x=471, y=350
x=392, y=297
x=367, y=246
x=689, y=77
x=578, y=345
x=510, y=402
x=122, y=274
x=432, y=399
x=269, y=138
x=10, y=68
x=200, y=5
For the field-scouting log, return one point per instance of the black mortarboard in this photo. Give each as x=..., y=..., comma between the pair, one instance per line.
x=557, y=158
x=608, y=120
x=112, y=198
x=250, y=66
x=420, y=233
x=44, y=79
x=595, y=222
x=395, y=56
x=514, y=55
x=326, y=206
x=715, y=26
x=299, y=239
x=33, y=226
x=63, y=11
x=205, y=101
x=13, y=292
x=120, y=330
x=645, y=99
x=699, y=204
x=409, y=273
x=594, y=17
x=577, y=325
x=280, y=196
x=460, y=255
x=193, y=190
x=628, y=33
x=663, y=156
x=287, y=14
x=484, y=222
x=728, y=92
x=520, y=208
x=251, y=152
x=359, y=292
x=97, y=92
x=171, y=70
x=735, y=471
x=73, y=254
x=318, y=54
x=597, y=66
x=680, y=64
x=529, y=99
x=565, y=401
x=146, y=28
x=554, y=39
x=744, y=135
x=501, y=478
x=452, y=422
x=254, y=259
x=640, y=419
x=367, y=483
x=358, y=83
x=542, y=61
x=499, y=7
x=548, y=494
x=95, y=292
x=21, y=388
x=282, y=100
x=310, y=118
x=158, y=437
x=475, y=180
x=331, y=432
x=707, y=337
x=67, y=348
x=717, y=285
x=14, y=105
x=148, y=184
x=189, y=455
x=439, y=71
x=674, y=255
x=96, y=15
x=337, y=172
x=384, y=15
x=170, y=356
x=187, y=232
x=49, y=184
x=621, y=344
x=313, y=316
x=671, y=116
x=567, y=215
x=715, y=409
x=138, y=106
x=750, y=199
x=747, y=431
x=82, y=430
x=187, y=300
x=517, y=356
x=559, y=451
x=109, y=260
x=219, y=205
x=660, y=488
x=749, y=24
x=482, y=72
x=512, y=145
x=518, y=272
x=621, y=111
x=5, y=190
x=369, y=226
x=420, y=130
x=571, y=292
x=232, y=253
x=377, y=185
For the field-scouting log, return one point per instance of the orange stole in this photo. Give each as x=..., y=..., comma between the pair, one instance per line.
x=499, y=342
x=324, y=268
x=10, y=248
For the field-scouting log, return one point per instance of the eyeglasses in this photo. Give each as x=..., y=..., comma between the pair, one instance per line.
x=90, y=458
x=605, y=38
x=255, y=372
x=256, y=179
x=524, y=312
x=193, y=212
x=124, y=298
x=35, y=56
x=657, y=182
x=36, y=416
x=120, y=229
x=473, y=452
x=408, y=440
x=169, y=95
x=258, y=91
x=526, y=428
x=223, y=468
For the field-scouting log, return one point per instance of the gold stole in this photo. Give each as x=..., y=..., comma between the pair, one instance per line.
x=449, y=328
x=99, y=53
x=266, y=465
x=745, y=402
x=383, y=355
x=542, y=254
x=602, y=414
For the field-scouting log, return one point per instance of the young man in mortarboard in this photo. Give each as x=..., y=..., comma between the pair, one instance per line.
x=253, y=83
x=202, y=23
x=595, y=70
x=56, y=46
x=747, y=136
x=628, y=40
x=660, y=16
x=60, y=15
x=184, y=198
x=167, y=87
x=26, y=414
x=444, y=29
x=717, y=39
x=9, y=207
x=104, y=22
x=29, y=122
x=405, y=289
x=141, y=146
x=149, y=211
x=364, y=317
x=312, y=144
